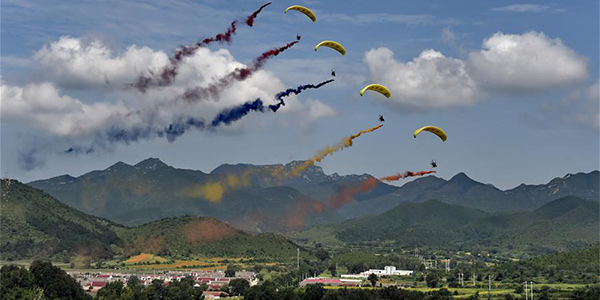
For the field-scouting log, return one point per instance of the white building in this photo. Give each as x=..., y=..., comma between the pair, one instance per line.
x=387, y=271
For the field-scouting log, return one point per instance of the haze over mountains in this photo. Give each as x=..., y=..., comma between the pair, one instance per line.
x=151, y=190
x=34, y=225
x=563, y=224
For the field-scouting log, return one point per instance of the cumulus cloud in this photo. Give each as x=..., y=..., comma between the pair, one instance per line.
x=506, y=64
x=42, y=106
x=72, y=62
x=430, y=80
x=529, y=62
x=78, y=63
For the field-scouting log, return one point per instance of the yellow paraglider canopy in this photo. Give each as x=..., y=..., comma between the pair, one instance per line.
x=435, y=130
x=303, y=10
x=333, y=45
x=382, y=89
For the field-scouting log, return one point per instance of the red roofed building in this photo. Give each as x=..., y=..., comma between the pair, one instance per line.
x=99, y=284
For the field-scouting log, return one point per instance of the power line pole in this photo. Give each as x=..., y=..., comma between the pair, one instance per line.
x=531, y=287
x=489, y=287
x=526, y=291
x=298, y=260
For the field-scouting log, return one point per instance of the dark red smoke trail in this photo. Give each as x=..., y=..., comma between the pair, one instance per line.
x=185, y=51
x=240, y=74
x=405, y=175
x=250, y=18
x=168, y=73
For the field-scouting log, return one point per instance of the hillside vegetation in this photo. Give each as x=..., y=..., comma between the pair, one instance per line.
x=35, y=225
x=564, y=224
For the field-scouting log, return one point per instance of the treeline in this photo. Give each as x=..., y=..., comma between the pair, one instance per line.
x=41, y=281
x=269, y=290
x=579, y=266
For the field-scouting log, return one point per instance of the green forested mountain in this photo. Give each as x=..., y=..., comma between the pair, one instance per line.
x=185, y=236
x=566, y=223
x=35, y=225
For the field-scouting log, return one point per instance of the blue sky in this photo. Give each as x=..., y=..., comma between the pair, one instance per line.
x=510, y=118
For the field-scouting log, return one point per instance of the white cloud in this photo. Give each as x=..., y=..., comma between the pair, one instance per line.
x=42, y=106
x=76, y=63
x=581, y=107
x=85, y=66
x=507, y=64
x=428, y=81
x=529, y=62
x=521, y=8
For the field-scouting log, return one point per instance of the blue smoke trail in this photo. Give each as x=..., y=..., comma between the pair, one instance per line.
x=182, y=124
x=230, y=115
x=296, y=91
x=233, y=114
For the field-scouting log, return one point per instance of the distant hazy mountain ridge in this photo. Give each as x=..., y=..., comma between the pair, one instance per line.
x=151, y=190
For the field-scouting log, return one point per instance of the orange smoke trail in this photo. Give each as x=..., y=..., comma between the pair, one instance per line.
x=214, y=191
x=405, y=175
x=347, y=142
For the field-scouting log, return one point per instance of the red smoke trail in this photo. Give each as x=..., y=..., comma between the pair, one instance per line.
x=346, y=194
x=250, y=19
x=185, y=51
x=405, y=175
x=239, y=74
x=168, y=74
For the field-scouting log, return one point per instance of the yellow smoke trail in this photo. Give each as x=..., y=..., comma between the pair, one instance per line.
x=214, y=191
x=347, y=142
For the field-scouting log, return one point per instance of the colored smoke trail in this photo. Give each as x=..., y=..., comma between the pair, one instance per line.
x=250, y=18
x=183, y=123
x=347, y=142
x=239, y=74
x=214, y=191
x=229, y=115
x=405, y=175
x=296, y=91
x=347, y=193
x=168, y=73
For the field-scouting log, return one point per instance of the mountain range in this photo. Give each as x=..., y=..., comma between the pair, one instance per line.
x=151, y=190
x=563, y=224
x=35, y=225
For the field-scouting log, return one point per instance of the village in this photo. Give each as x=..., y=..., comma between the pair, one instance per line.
x=215, y=282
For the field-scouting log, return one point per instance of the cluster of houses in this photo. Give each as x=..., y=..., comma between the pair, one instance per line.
x=213, y=280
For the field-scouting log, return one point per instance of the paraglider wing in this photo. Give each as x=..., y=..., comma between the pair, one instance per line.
x=377, y=88
x=333, y=45
x=435, y=130
x=303, y=10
